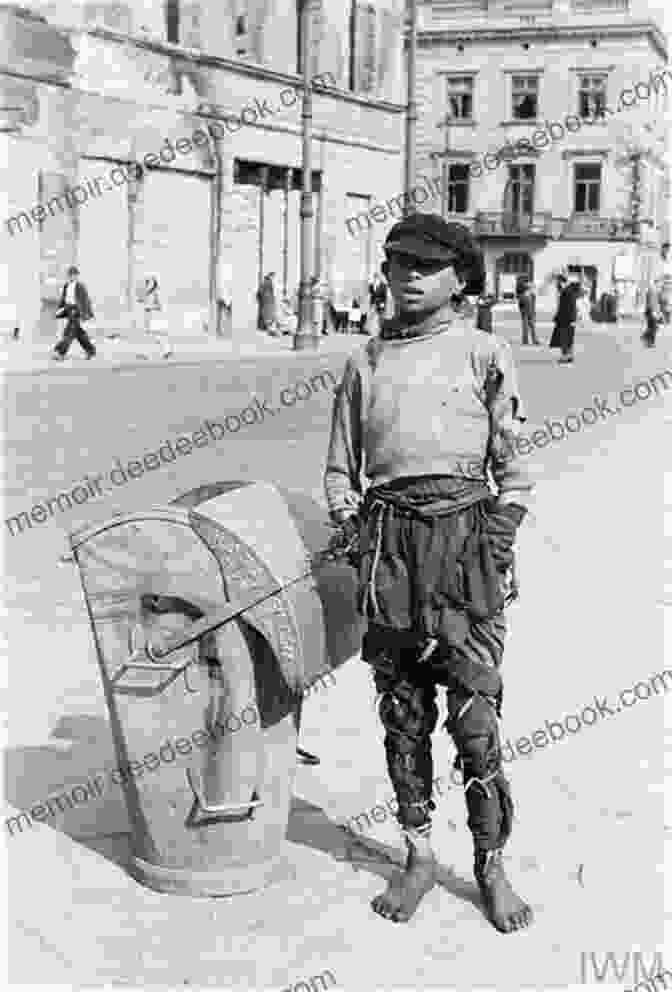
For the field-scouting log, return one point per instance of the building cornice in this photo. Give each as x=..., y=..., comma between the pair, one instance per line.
x=207, y=61
x=433, y=37
x=195, y=114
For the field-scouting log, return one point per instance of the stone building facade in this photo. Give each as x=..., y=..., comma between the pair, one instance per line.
x=586, y=188
x=163, y=138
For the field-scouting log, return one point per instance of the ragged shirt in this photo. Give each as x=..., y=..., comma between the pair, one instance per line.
x=413, y=403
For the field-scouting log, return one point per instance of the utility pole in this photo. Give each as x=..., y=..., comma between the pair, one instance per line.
x=411, y=107
x=305, y=337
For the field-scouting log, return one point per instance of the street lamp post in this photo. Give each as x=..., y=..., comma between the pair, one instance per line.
x=305, y=337
x=411, y=107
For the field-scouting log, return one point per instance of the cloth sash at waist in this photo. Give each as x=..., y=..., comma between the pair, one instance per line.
x=426, y=562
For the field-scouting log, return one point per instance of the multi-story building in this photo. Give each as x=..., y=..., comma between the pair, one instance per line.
x=163, y=138
x=542, y=124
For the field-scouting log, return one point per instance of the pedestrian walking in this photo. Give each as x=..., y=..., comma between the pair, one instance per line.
x=527, y=305
x=267, y=304
x=75, y=307
x=436, y=547
x=564, y=321
x=151, y=305
x=652, y=316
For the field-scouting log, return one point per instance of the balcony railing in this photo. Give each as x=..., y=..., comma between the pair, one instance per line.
x=502, y=225
x=597, y=6
x=595, y=226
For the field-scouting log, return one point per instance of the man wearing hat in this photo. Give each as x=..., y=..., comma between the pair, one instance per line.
x=75, y=306
x=416, y=405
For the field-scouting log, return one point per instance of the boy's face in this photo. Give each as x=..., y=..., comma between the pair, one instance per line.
x=419, y=286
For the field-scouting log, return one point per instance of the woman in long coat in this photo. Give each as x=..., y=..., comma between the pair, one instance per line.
x=564, y=322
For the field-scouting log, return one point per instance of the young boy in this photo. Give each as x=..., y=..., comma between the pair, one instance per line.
x=427, y=411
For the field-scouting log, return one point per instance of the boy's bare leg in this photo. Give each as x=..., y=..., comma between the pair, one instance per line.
x=405, y=892
x=506, y=910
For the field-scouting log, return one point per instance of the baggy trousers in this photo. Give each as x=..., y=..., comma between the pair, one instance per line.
x=74, y=330
x=408, y=711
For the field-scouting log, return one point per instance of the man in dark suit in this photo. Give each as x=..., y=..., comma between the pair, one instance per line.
x=75, y=306
x=527, y=306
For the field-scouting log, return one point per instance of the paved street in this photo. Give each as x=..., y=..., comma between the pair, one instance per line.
x=588, y=847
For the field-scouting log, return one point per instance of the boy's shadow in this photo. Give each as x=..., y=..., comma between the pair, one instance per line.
x=309, y=825
x=83, y=746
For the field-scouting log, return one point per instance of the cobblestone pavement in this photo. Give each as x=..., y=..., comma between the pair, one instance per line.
x=588, y=846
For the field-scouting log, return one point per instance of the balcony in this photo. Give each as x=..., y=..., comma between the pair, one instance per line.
x=489, y=224
x=596, y=227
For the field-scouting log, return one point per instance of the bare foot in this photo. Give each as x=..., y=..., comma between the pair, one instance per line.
x=405, y=892
x=506, y=911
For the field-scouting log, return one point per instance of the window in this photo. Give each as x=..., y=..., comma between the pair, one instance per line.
x=592, y=96
x=512, y=263
x=587, y=182
x=362, y=48
x=460, y=98
x=524, y=97
x=519, y=191
x=316, y=15
x=458, y=189
x=316, y=34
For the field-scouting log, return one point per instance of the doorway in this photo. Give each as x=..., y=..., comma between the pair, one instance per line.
x=508, y=267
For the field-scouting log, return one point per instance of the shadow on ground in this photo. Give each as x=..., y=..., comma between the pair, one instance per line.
x=310, y=826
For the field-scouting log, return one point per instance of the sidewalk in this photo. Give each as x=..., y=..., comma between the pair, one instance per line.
x=28, y=357
x=134, y=349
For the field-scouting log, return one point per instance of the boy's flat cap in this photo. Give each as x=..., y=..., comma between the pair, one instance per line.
x=429, y=237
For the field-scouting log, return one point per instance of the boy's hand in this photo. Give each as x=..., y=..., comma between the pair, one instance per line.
x=509, y=585
x=502, y=523
x=345, y=542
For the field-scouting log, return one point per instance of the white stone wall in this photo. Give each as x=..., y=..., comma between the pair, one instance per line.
x=128, y=101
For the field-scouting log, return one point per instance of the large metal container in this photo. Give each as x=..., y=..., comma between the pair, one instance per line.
x=211, y=619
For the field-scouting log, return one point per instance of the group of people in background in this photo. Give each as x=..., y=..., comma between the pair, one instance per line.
x=75, y=308
x=280, y=316
x=573, y=305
